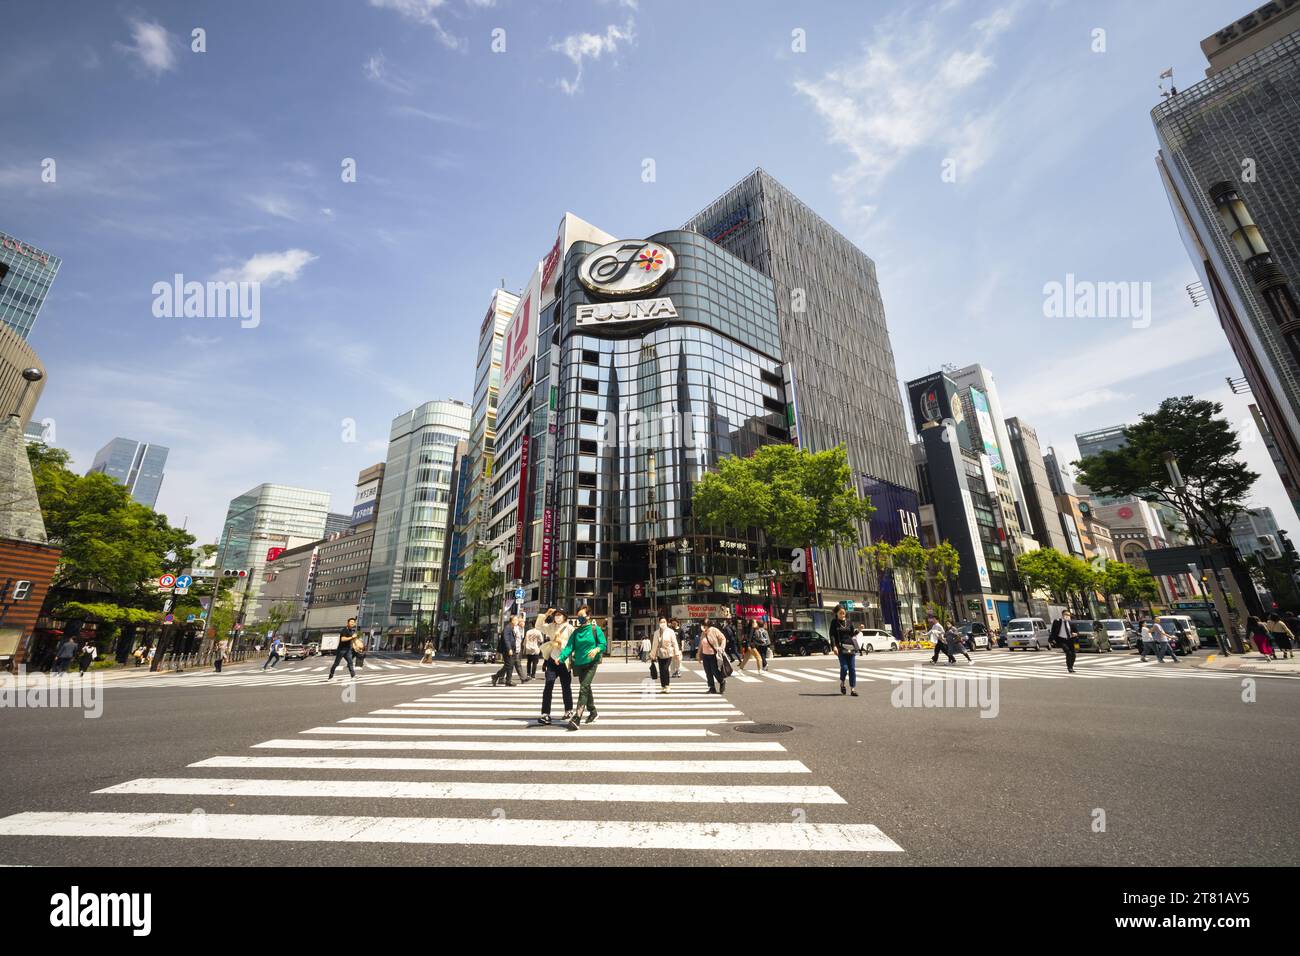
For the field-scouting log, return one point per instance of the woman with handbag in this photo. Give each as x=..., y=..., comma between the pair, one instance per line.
x=713, y=655
x=677, y=658
x=842, y=641
x=663, y=651
x=555, y=627
x=345, y=650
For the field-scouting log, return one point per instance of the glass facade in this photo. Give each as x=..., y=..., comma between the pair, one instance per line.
x=138, y=465
x=642, y=411
x=25, y=277
x=412, y=521
x=832, y=333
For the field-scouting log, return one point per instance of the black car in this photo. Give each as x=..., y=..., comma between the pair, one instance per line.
x=1091, y=636
x=478, y=652
x=974, y=636
x=800, y=643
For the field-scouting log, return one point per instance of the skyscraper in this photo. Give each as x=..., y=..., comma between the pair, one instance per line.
x=1227, y=160
x=1040, y=502
x=26, y=274
x=410, y=531
x=266, y=521
x=832, y=338
x=138, y=465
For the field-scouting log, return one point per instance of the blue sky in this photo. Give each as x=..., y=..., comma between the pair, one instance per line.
x=227, y=163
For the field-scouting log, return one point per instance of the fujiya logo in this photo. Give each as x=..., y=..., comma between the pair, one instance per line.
x=75, y=909
x=627, y=268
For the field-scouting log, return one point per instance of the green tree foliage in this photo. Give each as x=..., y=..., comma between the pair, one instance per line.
x=1126, y=583
x=103, y=612
x=1069, y=580
x=478, y=581
x=275, y=618
x=1217, y=483
x=109, y=543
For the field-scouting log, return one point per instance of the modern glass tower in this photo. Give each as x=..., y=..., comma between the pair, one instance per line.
x=833, y=337
x=406, y=562
x=138, y=465
x=1227, y=160
x=26, y=274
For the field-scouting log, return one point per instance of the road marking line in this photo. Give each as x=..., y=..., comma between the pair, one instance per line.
x=551, y=729
x=568, y=745
x=527, y=765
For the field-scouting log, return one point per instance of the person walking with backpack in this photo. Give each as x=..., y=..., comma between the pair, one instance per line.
x=761, y=642
x=344, y=651
x=663, y=651
x=713, y=649
x=842, y=641
x=1063, y=635
x=277, y=649
x=557, y=630
x=586, y=647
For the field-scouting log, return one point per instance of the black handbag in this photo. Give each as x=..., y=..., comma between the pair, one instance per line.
x=654, y=671
x=724, y=666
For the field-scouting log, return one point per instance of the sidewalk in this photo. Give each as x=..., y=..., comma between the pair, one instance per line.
x=1252, y=663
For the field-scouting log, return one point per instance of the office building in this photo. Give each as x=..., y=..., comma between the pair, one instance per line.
x=455, y=552
x=287, y=585
x=406, y=560
x=1039, y=501
x=26, y=274
x=343, y=561
x=1099, y=440
x=337, y=521
x=1058, y=477
x=261, y=524
x=833, y=340
x=1226, y=158
x=19, y=389
x=1255, y=532
x=138, y=465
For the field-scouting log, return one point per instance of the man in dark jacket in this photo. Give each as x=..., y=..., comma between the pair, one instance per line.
x=1063, y=636
x=344, y=651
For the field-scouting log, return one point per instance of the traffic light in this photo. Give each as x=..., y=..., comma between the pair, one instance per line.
x=234, y=573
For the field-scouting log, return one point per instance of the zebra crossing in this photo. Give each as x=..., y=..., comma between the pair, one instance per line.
x=399, y=673
x=1026, y=666
x=623, y=783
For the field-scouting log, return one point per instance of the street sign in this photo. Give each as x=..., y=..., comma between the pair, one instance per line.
x=168, y=619
x=184, y=581
x=519, y=594
x=181, y=590
x=167, y=606
x=167, y=581
x=189, y=618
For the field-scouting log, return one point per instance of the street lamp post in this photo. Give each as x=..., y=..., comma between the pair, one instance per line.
x=1216, y=587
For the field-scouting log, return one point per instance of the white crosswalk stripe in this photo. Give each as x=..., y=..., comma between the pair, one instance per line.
x=669, y=747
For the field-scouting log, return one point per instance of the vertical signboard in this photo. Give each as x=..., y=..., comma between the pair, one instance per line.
x=989, y=437
x=521, y=508
x=519, y=345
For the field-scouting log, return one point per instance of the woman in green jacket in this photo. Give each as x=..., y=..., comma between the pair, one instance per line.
x=586, y=646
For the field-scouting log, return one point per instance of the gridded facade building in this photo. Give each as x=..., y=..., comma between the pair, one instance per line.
x=406, y=561
x=1234, y=138
x=26, y=274
x=831, y=332
x=138, y=465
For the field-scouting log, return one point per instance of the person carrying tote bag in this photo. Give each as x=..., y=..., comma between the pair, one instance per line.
x=663, y=650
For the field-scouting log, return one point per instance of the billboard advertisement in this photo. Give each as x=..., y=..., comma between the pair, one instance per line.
x=987, y=435
x=367, y=499
x=930, y=399
x=520, y=343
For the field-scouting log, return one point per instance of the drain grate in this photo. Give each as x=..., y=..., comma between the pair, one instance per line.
x=764, y=729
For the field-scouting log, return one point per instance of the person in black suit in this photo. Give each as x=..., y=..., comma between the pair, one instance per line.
x=1063, y=634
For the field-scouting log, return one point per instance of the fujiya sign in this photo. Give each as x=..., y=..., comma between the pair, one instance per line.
x=627, y=268
x=642, y=310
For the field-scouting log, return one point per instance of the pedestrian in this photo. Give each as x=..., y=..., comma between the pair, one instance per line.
x=153, y=652
x=677, y=658
x=63, y=656
x=428, y=653
x=663, y=651
x=939, y=638
x=956, y=645
x=219, y=655
x=842, y=641
x=555, y=627
x=586, y=646
x=643, y=651
x=748, y=648
x=1063, y=634
x=345, y=651
x=138, y=655
x=508, y=646
x=713, y=644
x=533, y=639
x=1280, y=635
x=761, y=641
x=88, y=654
x=728, y=628
x=1259, y=636
x=277, y=650
x=1160, y=641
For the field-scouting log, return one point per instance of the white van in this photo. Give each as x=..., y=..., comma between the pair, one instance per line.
x=1026, y=633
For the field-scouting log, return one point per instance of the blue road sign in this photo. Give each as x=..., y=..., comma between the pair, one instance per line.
x=184, y=581
x=519, y=594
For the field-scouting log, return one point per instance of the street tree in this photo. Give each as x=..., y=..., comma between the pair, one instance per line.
x=478, y=580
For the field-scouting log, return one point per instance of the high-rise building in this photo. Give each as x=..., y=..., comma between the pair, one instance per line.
x=1099, y=440
x=406, y=561
x=1058, y=479
x=263, y=523
x=1255, y=531
x=337, y=521
x=343, y=561
x=138, y=465
x=1227, y=162
x=1040, y=503
x=26, y=274
x=19, y=388
x=832, y=338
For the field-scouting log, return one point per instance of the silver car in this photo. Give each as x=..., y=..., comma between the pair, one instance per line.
x=1027, y=633
x=1120, y=634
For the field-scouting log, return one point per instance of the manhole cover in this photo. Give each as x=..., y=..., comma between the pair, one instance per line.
x=764, y=729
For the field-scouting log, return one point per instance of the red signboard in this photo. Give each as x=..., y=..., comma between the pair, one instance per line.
x=521, y=519
x=273, y=553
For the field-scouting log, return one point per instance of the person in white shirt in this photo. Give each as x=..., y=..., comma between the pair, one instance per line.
x=938, y=636
x=555, y=627
x=532, y=651
x=663, y=651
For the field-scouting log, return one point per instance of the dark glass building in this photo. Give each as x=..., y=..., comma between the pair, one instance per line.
x=833, y=337
x=643, y=409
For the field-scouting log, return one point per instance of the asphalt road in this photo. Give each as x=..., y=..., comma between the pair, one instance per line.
x=1120, y=765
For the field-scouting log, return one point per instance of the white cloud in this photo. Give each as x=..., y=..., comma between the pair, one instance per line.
x=276, y=206
x=905, y=93
x=270, y=268
x=377, y=70
x=422, y=12
x=579, y=47
x=152, y=45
